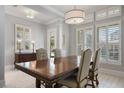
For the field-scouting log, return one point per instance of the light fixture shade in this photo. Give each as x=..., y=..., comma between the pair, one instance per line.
x=75, y=16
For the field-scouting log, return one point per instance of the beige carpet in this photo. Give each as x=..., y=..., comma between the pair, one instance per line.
x=18, y=79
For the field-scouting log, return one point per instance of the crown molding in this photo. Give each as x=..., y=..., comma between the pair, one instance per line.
x=53, y=10
x=54, y=21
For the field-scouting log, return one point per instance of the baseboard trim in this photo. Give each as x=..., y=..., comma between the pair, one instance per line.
x=2, y=83
x=112, y=72
x=9, y=67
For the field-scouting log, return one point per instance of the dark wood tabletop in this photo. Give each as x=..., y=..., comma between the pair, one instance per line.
x=50, y=70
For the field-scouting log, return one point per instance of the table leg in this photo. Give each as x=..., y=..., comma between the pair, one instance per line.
x=57, y=85
x=38, y=83
x=48, y=85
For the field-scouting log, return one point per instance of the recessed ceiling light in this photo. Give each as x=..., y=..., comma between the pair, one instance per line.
x=30, y=14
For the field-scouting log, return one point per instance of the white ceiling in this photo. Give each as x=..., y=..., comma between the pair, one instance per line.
x=87, y=8
x=44, y=14
x=21, y=11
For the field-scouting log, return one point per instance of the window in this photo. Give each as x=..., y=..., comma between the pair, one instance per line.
x=84, y=39
x=102, y=14
x=103, y=42
x=88, y=39
x=108, y=12
x=109, y=42
x=114, y=11
x=23, y=38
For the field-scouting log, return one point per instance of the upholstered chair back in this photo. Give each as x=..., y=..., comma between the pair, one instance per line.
x=84, y=67
x=41, y=54
x=96, y=59
x=57, y=52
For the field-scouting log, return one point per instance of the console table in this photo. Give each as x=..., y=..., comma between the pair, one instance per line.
x=24, y=57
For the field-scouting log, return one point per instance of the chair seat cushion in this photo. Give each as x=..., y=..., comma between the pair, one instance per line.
x=69, y=82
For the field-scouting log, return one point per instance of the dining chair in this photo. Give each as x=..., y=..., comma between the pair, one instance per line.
x=57, y=53
x=79, y=80
x=94, y=65
x=41, y=54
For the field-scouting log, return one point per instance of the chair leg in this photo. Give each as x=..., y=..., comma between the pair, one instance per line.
x=97, y=82
x=85, y=86
x=86, y=83
x=93, y=86
x=57, y=85
x=92, y=81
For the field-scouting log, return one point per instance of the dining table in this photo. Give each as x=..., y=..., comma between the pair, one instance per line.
x=51, y=70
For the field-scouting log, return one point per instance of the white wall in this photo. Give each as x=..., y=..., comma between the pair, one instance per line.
x=37, y=30
x=72, y=40
x=2, y=45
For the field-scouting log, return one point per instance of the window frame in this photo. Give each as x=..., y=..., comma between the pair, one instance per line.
x=119, y=62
